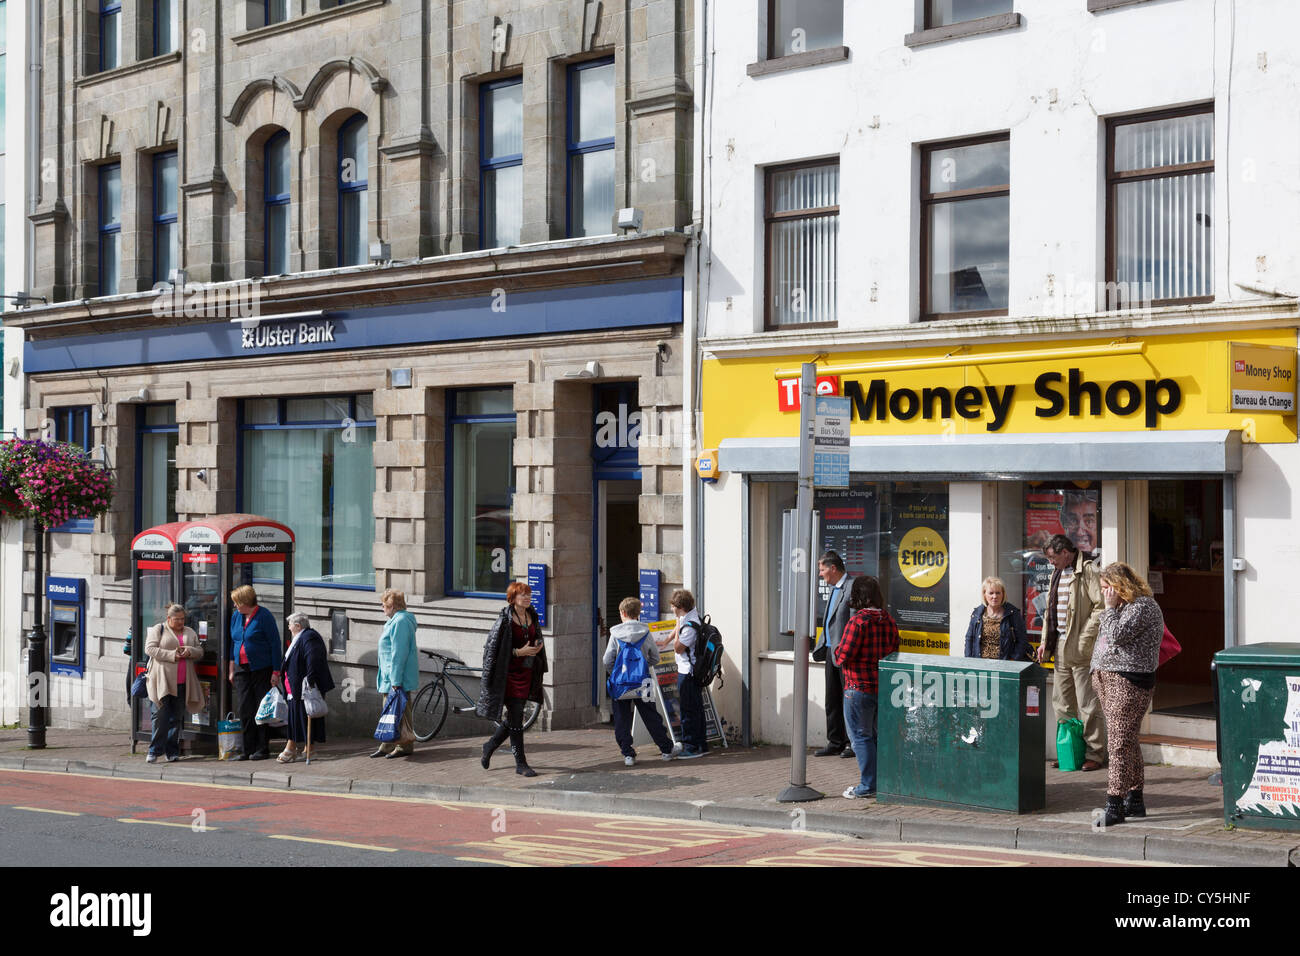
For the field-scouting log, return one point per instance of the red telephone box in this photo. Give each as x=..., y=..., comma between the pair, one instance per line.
x=197, y=564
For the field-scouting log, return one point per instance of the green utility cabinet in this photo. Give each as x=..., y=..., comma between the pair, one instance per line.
x=962, y=732
x=1257, y=689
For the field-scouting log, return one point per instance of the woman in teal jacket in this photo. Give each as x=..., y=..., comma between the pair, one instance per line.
x=399, y=667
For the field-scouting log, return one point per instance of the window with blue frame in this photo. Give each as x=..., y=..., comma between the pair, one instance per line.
x=501, y=163
x=166, y=230
x=480, y=463
x=110, y=228
x=110, y=34
x=166, y=27
x=72, y=425
x=156, y=434
x=309, y=462
x=353, y=214
x=276, y=200
x=591, y=148
x=277, y=11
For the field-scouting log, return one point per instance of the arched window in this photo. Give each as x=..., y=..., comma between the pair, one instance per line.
x=353, y=211
x=276, y=199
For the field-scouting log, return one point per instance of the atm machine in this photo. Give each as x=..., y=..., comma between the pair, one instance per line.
x=197, y=564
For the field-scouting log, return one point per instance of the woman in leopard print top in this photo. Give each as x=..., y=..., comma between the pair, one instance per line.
x=1124, y=662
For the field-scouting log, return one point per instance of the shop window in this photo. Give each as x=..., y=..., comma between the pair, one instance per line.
x=309, y=463
x=802, y=219
x=156, y=435
x=110, y=34
x=894, y=531
x=942, y=13
x=354, y=249
x=72, y=425
x=1160, y=179
x=481, y=437
x=965, y=228
x=801, y=26
x=110, y=228
x=1029, y=513
x=166, y=27
x=501, y=163
x=276, y=204
x=166, y=230
x=591, y=148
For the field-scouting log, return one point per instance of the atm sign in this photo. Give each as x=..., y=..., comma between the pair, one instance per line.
x=787, y=391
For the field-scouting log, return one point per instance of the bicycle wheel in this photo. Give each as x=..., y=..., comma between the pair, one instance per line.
x=429, y=710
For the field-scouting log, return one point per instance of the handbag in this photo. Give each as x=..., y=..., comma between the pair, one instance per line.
x=140, y=686
x=230, y=737
x=273, y=711
x=1169, y=648
x=313, y=701
x=388, y=729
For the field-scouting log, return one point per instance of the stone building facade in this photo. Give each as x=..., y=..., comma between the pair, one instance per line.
x=272, y=130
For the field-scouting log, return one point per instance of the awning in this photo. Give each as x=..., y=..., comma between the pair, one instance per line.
x=1093, y=455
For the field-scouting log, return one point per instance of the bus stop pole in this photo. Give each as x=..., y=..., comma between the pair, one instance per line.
x=803, y=560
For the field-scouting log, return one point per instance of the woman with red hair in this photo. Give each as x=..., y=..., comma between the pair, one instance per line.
x=514, y=661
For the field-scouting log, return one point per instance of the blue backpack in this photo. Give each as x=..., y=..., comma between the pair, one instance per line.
x=630, y=671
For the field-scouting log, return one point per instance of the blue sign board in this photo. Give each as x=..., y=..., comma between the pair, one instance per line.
x=64, y=590
x=831, y=442
x=537, y=584
x=67, y=628
x=649, y=595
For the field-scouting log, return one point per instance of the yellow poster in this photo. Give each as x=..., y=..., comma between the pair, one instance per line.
x=1261, y=378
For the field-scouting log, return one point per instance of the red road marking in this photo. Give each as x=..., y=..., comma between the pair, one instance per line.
x=498, y=834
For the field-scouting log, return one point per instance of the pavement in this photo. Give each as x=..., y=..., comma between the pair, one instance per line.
x=582, y=771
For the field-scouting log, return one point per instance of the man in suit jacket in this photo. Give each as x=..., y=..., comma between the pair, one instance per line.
x=830, y=567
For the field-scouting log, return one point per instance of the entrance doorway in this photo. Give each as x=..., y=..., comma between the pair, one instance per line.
x=618, y=542
x=1186, y=575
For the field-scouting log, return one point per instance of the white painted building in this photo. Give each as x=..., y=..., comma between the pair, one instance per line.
x=936, y=199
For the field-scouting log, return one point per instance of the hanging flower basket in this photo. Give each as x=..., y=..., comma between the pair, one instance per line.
x=52, y=482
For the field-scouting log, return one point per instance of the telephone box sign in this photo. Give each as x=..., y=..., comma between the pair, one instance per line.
x=199, y=535
x=152, y=542
x=260, y=534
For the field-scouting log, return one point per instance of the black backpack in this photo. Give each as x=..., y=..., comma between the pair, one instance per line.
x=707, y=653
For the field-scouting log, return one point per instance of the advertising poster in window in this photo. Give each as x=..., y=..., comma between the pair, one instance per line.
x=850, y=526
x=1072, y=511
x=918, y=595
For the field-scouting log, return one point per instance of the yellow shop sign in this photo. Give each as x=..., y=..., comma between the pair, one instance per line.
x=1151, y=383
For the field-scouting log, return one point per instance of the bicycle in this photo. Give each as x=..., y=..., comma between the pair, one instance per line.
x=430, y=705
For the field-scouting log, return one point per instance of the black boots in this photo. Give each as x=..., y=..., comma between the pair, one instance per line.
x=1114, y=810
x=493, y=743
x=1133, y=805
x=521, y=762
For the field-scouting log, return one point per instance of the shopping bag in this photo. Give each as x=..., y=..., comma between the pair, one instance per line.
x=1169, y=648
x=1070, y=745
x=230, y=737
x=274, y=709
x=313, y=701
x=140, y=686
x=390, y=721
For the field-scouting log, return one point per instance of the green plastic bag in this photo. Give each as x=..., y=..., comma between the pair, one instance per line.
x=1070, y=747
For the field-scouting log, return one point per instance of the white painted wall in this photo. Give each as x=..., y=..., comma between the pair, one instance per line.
x=721, y=600
x=966, y=569
x=1268, y=506
x=1051, y=84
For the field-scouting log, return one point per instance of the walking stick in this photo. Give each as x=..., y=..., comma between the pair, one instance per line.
x=306, y=751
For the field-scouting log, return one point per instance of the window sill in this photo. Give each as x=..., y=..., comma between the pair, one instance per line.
x=798, y=61
x=800, y=326
x=970, y=28
x=108, y=75
x=288, y=26
x=1100, y=6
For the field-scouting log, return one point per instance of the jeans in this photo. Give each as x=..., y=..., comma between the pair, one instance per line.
x=860, y=717
x=692, y=701
x=649, y=716
x=166, y=737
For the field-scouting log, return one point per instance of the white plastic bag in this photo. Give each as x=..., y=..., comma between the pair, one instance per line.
x=274, y=709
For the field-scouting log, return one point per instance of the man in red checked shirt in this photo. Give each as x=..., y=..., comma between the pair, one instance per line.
x=870, y=634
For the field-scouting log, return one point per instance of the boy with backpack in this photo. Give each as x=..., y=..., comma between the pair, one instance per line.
x=690, y=693
x=629, y=657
